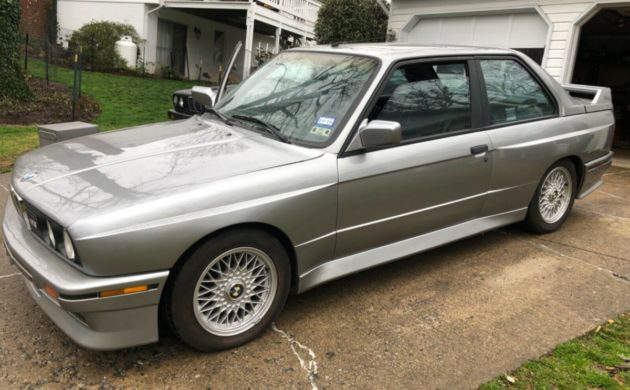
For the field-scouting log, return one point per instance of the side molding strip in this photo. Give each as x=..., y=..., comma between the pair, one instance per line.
x=360, y=261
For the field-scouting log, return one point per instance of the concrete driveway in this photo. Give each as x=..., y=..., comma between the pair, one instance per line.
x=450, y=318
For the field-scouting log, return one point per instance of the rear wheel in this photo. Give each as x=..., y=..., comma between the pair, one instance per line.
x=553, y=199
x=229, y=290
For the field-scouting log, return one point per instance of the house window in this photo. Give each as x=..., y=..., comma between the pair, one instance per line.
x=171, y=46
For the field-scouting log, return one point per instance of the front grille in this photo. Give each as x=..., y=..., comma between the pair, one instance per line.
x=194, y=107
x=37, y=223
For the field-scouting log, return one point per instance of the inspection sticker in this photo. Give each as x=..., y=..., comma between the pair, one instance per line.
x=322, y=131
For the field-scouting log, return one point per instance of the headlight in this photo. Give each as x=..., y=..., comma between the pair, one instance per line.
x=174, y=100
x=67, y=245
x=51, y=235
x=181, y=102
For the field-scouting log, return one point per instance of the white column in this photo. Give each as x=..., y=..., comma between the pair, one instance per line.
x=276, y=48
x=249, y=40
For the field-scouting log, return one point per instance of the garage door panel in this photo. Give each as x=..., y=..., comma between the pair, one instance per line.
x=520, y=30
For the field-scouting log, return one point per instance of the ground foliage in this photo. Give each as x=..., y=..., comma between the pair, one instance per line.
x=51, y=103
x=12, y=83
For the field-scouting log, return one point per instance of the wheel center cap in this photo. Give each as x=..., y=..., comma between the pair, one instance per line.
x=235, y=290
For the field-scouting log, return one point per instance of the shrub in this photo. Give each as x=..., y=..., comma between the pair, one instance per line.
x=167, y=72
x=98, y=44
x=12, y=83
x=350, y=21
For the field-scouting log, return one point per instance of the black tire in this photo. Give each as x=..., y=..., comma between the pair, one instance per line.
x=178, y=296
x=534, y=220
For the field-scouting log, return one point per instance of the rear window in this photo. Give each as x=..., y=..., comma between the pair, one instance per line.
x=513, y=93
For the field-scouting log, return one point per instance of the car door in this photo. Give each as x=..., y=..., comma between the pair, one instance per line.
x=437, y=176
x=523, y=125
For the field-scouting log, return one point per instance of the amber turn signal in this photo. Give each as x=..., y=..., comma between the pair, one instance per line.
x=123, y=291
x=51, y=292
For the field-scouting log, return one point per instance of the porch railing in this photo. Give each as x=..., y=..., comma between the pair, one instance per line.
x=304, y=11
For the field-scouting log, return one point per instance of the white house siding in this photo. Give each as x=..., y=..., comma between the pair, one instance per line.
x=73, y=14
x=561, y=15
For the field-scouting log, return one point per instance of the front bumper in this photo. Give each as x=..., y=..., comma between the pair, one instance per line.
x=91, y=321
x=594, y=174
x=172, y=114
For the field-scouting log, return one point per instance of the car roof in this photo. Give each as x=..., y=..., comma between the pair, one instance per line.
x=398, y=51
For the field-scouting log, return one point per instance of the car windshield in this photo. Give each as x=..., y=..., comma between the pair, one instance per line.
x=303, y=95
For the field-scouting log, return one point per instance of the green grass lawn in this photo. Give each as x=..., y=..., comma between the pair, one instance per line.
x=125, y=101
x=15, y=140
x=592, y=361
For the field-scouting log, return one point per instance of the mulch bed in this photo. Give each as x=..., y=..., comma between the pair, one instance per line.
x=51, y=103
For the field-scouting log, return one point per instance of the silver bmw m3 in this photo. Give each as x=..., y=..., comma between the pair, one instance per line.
x=325, y=162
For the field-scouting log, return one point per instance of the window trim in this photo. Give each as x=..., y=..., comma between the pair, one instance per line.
x=485, y=103
x=476, y=108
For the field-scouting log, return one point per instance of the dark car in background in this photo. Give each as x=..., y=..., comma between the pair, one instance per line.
x=184, y=106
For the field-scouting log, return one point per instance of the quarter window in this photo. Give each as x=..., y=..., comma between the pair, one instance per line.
x=513, y=94
x=427, y=99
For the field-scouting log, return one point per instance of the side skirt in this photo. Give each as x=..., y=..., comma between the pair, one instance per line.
x=337, y=268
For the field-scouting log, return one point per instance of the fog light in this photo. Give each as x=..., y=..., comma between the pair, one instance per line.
x=123, y=291
x=67, y=245
x=51, y=235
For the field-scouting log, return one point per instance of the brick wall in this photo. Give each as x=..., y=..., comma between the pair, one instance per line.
x=34, y=18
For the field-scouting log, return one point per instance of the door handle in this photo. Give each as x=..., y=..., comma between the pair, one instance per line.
x=479, y=149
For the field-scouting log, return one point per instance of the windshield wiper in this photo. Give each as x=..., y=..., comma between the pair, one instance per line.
x=219, y=115
x=267, y=126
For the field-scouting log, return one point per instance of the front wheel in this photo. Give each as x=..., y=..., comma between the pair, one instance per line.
x=553, y=199
x=229, y=290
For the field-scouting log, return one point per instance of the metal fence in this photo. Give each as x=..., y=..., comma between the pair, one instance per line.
x=53, y=55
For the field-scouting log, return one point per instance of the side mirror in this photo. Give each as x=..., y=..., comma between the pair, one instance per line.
x=379, y=133
x=204, y=95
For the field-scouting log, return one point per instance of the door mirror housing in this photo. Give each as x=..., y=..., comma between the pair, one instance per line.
x=204, y=95
x=378, y=133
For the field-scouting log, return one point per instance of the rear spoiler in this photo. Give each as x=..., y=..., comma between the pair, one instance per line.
x=591, y=98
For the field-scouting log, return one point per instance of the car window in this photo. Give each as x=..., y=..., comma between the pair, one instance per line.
x=427, y=99
x=513, y=94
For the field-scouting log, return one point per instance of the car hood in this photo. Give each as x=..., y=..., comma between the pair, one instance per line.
x=101, y=173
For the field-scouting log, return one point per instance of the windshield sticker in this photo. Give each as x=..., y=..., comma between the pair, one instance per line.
x=321, y=131
x=325, y=121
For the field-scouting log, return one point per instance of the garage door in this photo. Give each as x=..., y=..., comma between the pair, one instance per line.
x=516, y=31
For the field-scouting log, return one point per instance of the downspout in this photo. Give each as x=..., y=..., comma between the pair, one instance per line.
x=156, y=8
x=146, y=30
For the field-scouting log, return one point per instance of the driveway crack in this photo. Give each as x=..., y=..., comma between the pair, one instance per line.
x=558, y=253
x=584, y=250
x=308, y=364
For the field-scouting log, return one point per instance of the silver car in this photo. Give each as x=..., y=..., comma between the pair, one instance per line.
x=325, y=162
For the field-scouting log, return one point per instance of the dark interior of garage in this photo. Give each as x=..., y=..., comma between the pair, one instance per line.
x=603, y=58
